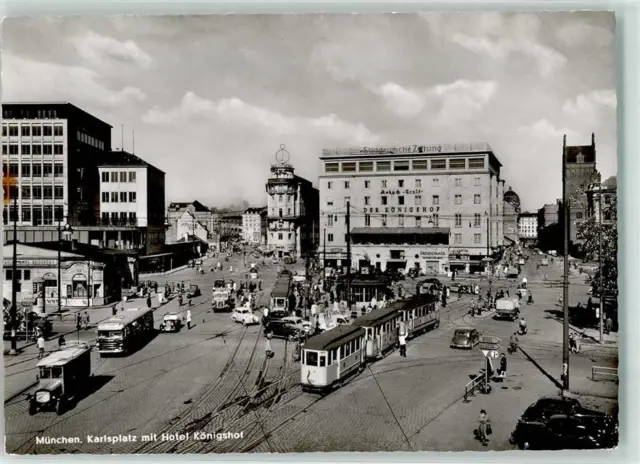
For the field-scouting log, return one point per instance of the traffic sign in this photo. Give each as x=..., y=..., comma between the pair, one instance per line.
x=490, y=353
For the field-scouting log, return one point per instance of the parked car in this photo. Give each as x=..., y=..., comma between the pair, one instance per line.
x=171, y=322
x=244, y=316
x=193, y=291
x=300, y=277
x=283, y=329
x=431, y=282
x=547, y=406
x=294, y=320
x=274, y=316
x=466, y=338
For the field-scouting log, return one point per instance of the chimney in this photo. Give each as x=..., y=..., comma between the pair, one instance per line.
x=593, y=139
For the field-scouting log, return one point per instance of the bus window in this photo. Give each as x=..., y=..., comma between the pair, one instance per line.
x=45, y=373
x=311, y=359
x=323, y=360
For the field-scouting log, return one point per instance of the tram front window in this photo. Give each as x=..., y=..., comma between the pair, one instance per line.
x=311, y=358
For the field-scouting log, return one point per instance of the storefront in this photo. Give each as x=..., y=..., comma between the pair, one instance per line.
x=334, y=258
x=428, y=259
x=467, y=260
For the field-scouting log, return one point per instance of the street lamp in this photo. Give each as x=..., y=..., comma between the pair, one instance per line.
x=66, y=231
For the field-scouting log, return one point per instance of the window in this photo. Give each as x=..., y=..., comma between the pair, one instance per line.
x=48, y=170
x=418, y=200
x=58, y=170
x=476, y=220
x=13, y=170
x=36, y=149
x=418, y=183
x=26, y=149
x=58, y=192
x=458, y=199
x=123, y=197
x=418, y=221
x=348, y=167
x=458, y=220
x=400, y=183
x=133, y=197
x=57, y=130
x=26, y=213
x=105, y=177
x=26, y=131
x=105, y=197
x=329, y=237
x=132, y=176
x=367, y=220
x=477, y=199
x=329, y=185
x=436, y=219
x=384, y=184
x=280, y=198
x=457, y=163
x=458, y=181
x=401, y=165
x=123, y=176
x=607, y=199
x=26, y=170
x=383, y=165
x=332, y=167
x=435, y=182
x=47, y=131
x=435, y=200
x=347, y=184
x=13, y=149
x=458, y=238
x=114, y=177
x=439, y=164
x=400, y=200
x=579, y=215
x=401, y=220
x=384, y=220
x=330, y=220
x=48, y=192
x=58, y=149
x=329, y=201
x=36, y=170
x=366, y=166
x=114, y=197
x=26, y=194
x=367, y=184
x=420, y=165
x=37, y=192
x=36, y=131
x=367, y=201
x=132, y=217
x=476, y=181
x=383, y=200
x=476, y=163
x=280, y=236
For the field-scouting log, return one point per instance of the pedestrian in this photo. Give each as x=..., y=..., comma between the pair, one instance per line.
x=40, y=343
x=61, y=342
x=149, y=301
x=188, y=319
x=484, y=428
x=78, y=321
x=180, y=300
x=402, y=339
x=87, y=320
x=267, y=349
x=503, y=365
x=608, y=325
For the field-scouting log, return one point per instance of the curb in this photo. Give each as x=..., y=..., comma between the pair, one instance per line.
x=15, y=395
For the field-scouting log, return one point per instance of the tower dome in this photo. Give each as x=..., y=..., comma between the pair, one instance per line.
x=512, y=198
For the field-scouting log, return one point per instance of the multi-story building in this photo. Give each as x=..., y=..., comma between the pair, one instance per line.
x=132, y=204
x=581, y=172
x=511, y=202
x=436, y=207
x=192, y=218
x=528, y=226
x=601, y=201
x=292, y=212
x=52, y=152
x=254, y=226
x=548, y=215
x=230, y=226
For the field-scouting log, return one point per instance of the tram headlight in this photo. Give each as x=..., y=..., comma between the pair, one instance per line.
x=43, y=397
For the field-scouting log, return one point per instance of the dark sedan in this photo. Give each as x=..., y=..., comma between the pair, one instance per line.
x=274, y=316
x=283, y=329
x=465, y=338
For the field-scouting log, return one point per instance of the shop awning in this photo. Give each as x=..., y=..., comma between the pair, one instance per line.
x=397, y=260
x=400, y=235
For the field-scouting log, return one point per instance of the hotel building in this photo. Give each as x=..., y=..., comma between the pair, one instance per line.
x=436, y=207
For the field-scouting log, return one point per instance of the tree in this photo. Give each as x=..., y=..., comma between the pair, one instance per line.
x=591, y=231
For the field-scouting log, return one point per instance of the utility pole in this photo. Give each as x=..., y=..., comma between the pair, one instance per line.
x=600, y=226
x=14, y=280
x=565, y=277
x=348, y=223
x=488, y=233
x=59, y=266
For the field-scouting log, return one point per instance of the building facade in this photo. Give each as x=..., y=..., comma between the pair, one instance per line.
x=51, y=151
x=292, y=213
x=132, y=204
x=231, y=226
x=204, y=217
x=254, y=226
x=581, y=172
x=528, y=226
x=601, y=201
x=436, y=207
x=511, y=204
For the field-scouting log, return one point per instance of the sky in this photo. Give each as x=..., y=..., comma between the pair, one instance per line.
x=212, y=98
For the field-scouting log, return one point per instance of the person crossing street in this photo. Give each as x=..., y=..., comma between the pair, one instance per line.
x=402, y=339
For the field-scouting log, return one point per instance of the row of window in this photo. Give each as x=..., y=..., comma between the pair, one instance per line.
x=35, y=170
x=37, y=192
x=281, y=235
x=433, y=219
x=21, y=274
x=119, y=218
x=315, y=359
x=33, y=149
x=119, y=197
x=89, y=140
x=113, y=176
x=38, y=215
x=435, y=182
x=417, y=200
x=13, y=130
x=457, y=238
x=405, y=165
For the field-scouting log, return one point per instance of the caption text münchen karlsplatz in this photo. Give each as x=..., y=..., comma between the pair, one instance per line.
x=112, y=439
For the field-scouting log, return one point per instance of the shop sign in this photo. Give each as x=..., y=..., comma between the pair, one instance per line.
x=458, y=258
x=433, y=254
x=334, y=250
x=31, y=262
x=401, y=192
x=405, y=149
x=403, y=209
x=459, y=251
x=54, y=301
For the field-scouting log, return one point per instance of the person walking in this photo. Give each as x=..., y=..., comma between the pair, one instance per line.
x=402, y=339
x=61, y=342
x=503, y=365
x=40, y=343
x=267, y=349
x=78, y=321
x=608, y=326
x=149, y=300
x=188, y=319
x=87, y=320
x=484, y=428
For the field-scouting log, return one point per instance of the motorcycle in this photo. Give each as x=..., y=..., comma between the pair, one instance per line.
x=523, y=330
x=513, y=347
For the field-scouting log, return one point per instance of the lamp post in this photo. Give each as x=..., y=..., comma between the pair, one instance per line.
x=66, y=230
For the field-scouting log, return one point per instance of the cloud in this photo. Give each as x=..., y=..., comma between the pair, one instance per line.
x=581, y=34
x=28, y=80
x=544, y=129
x=589, y=103
x=498, y=36
x=101, y=51
x=402, y=102
x=236, y=111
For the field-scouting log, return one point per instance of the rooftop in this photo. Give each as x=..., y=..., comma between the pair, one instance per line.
x=44, y=104
x=336, y=336
x=123, y=158
x=450, y=148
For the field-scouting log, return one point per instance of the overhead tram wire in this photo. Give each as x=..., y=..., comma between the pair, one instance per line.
x=390, y=408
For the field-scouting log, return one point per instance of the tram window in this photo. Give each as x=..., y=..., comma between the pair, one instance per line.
x=312, y=358
x=353, y=346
x=322, y=360
x=347, y=351
x=45, y=373
x=56, y=373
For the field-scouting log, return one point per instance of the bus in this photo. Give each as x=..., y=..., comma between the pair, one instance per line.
x=120, y=333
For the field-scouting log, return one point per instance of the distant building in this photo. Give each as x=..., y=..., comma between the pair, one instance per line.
x=132, y=204
x=193, y=218
x=528, y=226
x=510, y=218
x=254, y=226
x=230, y=226
x=602, y=198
